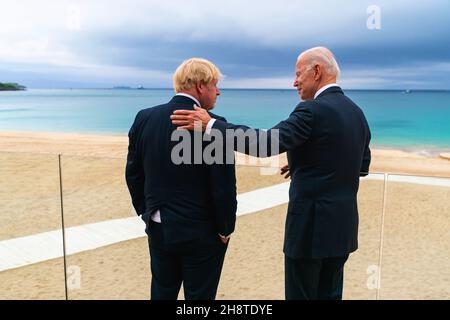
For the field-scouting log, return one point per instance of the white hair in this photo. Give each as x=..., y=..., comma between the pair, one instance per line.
x=323, y=56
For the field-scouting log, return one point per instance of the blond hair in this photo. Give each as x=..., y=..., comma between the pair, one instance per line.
x=193, y=70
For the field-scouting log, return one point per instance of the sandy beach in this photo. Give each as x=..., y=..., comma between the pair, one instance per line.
x=110, y=146
x=416, y=243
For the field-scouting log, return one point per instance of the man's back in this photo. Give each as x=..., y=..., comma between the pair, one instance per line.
x=186, y=194
x=322, y=216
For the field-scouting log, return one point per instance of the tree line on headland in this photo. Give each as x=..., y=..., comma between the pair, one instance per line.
x=11, y=87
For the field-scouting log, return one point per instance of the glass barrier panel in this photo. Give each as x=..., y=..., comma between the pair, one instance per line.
x=254, y=263
x=361, y=269
x=415, y=258
x=31, y=251
x=107, y=250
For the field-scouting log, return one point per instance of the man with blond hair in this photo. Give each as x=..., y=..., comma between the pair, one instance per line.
x=189, y=207
x=326, y=138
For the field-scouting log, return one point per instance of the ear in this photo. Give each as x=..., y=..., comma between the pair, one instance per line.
x=317, y=72
x=199, y=87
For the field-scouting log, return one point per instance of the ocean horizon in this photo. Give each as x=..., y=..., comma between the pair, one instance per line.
x=410, y=120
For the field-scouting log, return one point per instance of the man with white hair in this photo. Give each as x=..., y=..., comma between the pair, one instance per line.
x=326, y=138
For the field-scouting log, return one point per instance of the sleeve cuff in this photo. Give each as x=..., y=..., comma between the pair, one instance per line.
x=209, y=126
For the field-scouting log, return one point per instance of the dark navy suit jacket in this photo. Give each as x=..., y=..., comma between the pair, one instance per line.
x=327, y=143
x=194, y=199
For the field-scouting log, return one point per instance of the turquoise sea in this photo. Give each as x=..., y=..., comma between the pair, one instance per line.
x=418, y=120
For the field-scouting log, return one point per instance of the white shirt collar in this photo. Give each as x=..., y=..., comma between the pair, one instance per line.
x=189, y=96
x=325, y=88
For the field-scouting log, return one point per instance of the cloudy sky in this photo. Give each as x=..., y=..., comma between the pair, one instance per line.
x=103, y=43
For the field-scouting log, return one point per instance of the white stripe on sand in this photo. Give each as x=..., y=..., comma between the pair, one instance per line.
x=23, y=251
x=431, y=181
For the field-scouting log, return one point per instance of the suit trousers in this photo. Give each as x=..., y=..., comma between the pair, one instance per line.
x=196, y=264
x=314, y=279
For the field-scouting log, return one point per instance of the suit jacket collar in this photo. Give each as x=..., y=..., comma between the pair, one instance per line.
x=333, y=89
x=184, y=100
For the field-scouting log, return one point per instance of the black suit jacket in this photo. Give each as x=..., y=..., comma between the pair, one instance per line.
x=327, y=143
x=194, y=199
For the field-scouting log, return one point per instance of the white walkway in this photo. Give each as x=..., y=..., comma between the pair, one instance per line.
x=431, y=181
x=23, y=251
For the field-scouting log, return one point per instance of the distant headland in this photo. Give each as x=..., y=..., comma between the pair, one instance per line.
x=128, y=88
x=11, y=87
